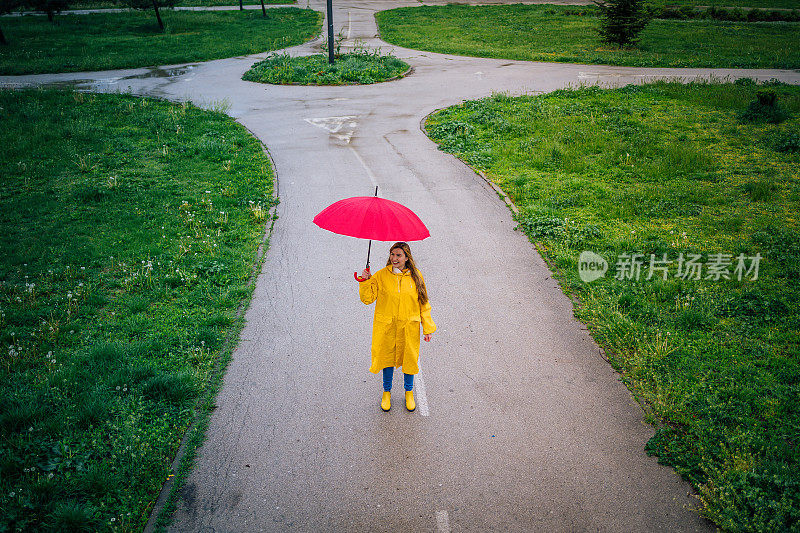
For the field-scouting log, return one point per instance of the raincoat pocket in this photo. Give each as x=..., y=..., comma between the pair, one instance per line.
x=383, y=319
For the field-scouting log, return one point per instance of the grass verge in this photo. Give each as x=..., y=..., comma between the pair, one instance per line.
x=688, y=177
x=762, y=4
x=569, y=35
x=358, y=67
x=104, y=41
x=129, y=233
x=101, y=4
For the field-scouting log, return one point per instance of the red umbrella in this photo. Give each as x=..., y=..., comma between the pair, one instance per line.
x=370, y=217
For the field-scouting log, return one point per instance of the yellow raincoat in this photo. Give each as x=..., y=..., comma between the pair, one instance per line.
x=395, y=329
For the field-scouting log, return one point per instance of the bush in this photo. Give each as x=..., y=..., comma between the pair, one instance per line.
x=765, y=108
x=720, y=13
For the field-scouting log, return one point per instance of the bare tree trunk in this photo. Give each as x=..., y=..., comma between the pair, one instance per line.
x=241, y=7
x=2, y=37
x=158, y=15
x=50, y=16
x=263, y=9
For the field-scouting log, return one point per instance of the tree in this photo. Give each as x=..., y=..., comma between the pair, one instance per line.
x=621, y=21
x=147, y=4
x=51, y=7
x=7, y=6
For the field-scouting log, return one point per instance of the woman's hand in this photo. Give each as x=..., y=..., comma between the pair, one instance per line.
x=365, y=274
x=427, y=337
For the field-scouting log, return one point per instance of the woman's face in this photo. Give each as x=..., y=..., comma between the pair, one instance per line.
x=398, y=258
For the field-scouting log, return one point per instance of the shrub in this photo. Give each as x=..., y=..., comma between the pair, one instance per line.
x=765, y=108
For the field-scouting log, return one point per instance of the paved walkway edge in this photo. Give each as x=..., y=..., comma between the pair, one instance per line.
x=195, y=434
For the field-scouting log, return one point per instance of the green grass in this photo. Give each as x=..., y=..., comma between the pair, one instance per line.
x=129, y=233
x=769, y=4
x=672, y=169
x=103, y=41
x=569, y=34
x=105, y=4
x=358, y=67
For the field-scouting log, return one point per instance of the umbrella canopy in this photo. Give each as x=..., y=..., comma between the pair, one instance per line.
x=370, y=217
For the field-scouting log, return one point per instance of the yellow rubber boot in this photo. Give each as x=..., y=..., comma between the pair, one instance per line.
x=410, y=404
x=386, y=401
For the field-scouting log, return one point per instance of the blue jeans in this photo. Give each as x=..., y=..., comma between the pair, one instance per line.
x=388, y=374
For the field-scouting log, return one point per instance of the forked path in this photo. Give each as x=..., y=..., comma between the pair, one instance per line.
x=522, y=425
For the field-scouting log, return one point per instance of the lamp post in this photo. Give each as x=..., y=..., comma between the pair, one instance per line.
x=330, y=32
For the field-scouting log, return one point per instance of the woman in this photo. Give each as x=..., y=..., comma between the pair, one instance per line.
x=402, y=305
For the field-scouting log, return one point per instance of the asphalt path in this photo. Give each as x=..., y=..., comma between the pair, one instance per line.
x=521, y=424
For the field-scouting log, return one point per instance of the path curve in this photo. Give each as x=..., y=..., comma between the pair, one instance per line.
x=524, y=427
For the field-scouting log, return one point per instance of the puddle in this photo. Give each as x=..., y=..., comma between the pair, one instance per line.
x=81, y=85
x=160, y=72
x=107, y=84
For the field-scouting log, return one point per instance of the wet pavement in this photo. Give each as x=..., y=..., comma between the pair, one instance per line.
x=525, y=426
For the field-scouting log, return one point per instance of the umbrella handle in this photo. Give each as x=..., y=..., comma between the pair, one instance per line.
x=359, y=278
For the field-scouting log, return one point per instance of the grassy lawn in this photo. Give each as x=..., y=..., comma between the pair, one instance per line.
x=672, y=169
x=101, y=4
x=568, y=34
x=762, y=4
x=129, y=232
x=104, y=41
x=358, y=67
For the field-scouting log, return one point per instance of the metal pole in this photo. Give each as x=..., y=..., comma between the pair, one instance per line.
x=370, y=241
x=330, y=32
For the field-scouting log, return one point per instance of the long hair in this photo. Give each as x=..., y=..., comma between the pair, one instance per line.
x=422, y=292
